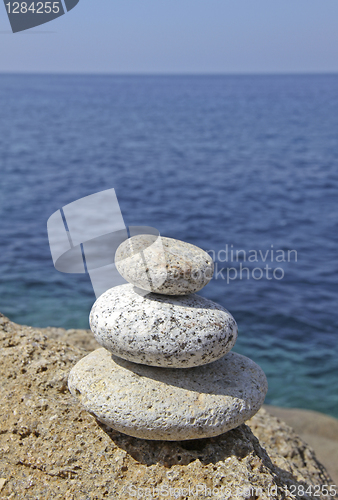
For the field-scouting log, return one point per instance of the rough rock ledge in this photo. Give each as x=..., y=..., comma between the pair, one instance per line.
x=50, y=448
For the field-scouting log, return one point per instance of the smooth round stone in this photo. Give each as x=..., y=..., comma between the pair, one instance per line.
x=155, y=330
x=163, y=265
x=169, y=404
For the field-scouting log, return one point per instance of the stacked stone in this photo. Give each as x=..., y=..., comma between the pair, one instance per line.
x=165, y=371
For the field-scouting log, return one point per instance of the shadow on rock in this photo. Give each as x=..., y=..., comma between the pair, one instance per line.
x=239, y=442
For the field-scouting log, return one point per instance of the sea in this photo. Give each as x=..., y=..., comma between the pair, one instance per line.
x=245, y=167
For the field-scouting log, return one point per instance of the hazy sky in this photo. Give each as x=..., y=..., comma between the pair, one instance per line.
x=179, y=36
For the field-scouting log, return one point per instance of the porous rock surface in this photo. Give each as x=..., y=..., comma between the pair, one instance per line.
x=170, y=404
x=164, y=265
x=50, y=448
x=162, y=331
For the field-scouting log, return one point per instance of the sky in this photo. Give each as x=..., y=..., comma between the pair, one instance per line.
x=179, y=36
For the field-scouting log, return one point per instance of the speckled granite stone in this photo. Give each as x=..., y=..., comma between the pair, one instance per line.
x=169, y=404
x=162, y=331
x=164, y=265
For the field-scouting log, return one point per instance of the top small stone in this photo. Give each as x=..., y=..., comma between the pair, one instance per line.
x=163, y=265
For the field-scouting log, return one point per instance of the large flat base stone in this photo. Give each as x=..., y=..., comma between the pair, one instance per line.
x=169, y=403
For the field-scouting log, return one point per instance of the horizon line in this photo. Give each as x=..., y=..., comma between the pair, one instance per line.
x=170, y=74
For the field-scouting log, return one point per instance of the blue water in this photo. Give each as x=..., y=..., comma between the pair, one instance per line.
x=248, y=161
